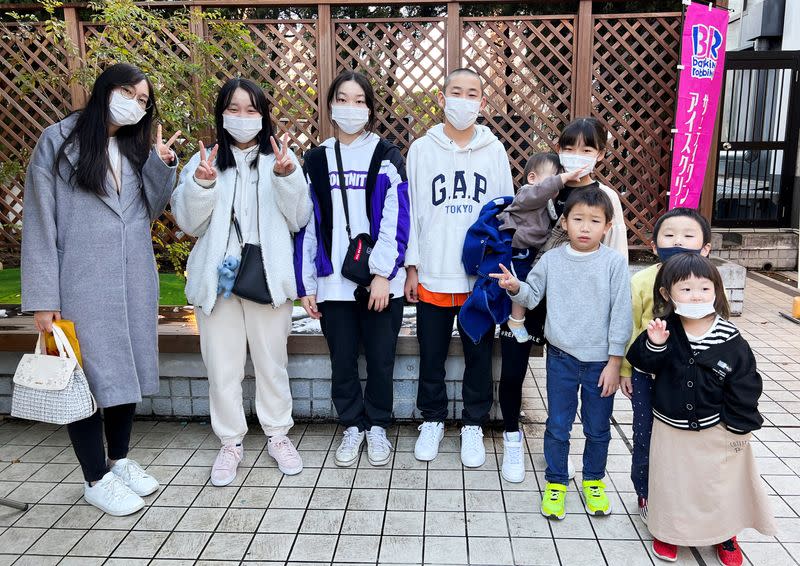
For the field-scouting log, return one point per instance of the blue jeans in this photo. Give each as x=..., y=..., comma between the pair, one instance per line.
x=565, y=376
x=642, y=402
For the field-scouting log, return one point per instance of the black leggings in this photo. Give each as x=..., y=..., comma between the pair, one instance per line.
x=515, y=365
x=87, y=439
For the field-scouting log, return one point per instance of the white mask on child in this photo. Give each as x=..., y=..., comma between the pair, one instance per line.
x=350, y=119
x=241, y=129
x=460, y=112
x=573, y=162
x=695, y=311
x=124, y=111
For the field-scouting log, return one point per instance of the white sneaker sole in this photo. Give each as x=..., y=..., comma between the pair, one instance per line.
x=118, y=513
x=666, y=558
x=381, y=462
x=513, y=479
x=146, y=493
x=223, y=482
x=346, y=463
x=473, y=464
x=291, y=471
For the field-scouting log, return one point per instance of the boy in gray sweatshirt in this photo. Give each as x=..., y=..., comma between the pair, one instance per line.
x=587, y=290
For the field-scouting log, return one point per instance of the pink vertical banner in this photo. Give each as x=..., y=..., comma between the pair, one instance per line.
x=700, y=82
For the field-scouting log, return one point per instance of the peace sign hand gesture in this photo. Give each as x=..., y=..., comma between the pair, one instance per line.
x=284, y=165
x=506, y=280
x=165, y=149
x=205, y=170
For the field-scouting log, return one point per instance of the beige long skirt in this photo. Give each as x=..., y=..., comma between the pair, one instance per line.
x=704, y=487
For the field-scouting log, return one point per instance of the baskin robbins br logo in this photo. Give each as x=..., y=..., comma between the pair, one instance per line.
x=706, y=45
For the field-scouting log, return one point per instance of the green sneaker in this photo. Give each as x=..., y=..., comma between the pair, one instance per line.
x=595, y=499
x=553, y=501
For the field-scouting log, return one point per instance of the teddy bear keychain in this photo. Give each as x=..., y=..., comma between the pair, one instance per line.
x=227, y=275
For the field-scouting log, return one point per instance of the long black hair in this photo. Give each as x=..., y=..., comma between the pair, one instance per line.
x=91, y=130
x=363, y=82
x=259, y=101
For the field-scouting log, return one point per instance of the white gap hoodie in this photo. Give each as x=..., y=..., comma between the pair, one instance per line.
x=449, y=185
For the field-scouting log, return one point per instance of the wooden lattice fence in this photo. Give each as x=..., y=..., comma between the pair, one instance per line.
x=539, y=72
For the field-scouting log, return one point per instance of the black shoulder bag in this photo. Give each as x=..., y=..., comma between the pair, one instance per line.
x=356, y=262
x=251, y=279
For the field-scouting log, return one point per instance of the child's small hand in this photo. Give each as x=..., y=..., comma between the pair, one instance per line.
x=626, y=386
x=574, y=175
x=609, y=381
x=506, y=280
x=657, y=332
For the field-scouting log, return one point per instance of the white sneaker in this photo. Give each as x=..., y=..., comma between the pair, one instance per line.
x=513, y=457
x=223, y=472
x=379, y=449
x=112, y=496
x=427, y=445
x=570, y=468
x=140, y=482
x=350, y=448
x=473, y=452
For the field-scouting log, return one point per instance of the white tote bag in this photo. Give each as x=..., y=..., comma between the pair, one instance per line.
x=52, y=389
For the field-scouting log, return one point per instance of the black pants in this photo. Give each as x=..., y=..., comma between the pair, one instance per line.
x=87, y=439
x=346, y=325
x=513, y=369
x=434, y=330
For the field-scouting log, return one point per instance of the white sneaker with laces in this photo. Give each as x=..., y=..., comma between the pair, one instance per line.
x=427, y=445
x=379, y=449
x=513, y=457
x=140, y=482
x=112, y=496
x=227, y=463
x=285, y=454
x=473, y=452
x=570, y=468
x=350, y=447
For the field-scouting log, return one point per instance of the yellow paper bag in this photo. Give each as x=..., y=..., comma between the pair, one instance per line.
x=69, y=330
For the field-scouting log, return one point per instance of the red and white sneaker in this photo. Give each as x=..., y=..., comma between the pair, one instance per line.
x=729, y=553
x=665, y=551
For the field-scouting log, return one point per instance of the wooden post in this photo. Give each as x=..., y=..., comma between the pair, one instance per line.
x=582, y=61
x=326, y=65
x=453, y=36
x=73, y=29
x=706, y=207
x=197, y=27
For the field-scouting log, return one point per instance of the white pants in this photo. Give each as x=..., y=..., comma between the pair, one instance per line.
x=224, y=335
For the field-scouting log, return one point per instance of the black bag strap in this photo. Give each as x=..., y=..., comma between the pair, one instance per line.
x=342, y=187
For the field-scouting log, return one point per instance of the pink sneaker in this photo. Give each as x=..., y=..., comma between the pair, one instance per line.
x=285, y=454
x=224, y=470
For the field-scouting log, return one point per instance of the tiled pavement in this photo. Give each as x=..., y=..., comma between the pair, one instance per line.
x=406, y=513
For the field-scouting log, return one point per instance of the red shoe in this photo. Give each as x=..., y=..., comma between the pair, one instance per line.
x=729, y=553
x=643, y=509
x=665, y=551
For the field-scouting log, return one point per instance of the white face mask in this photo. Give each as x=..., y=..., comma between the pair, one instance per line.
x=573, y=162
x=242, y=130
x=460, y=112
x=695, y=310
x=350, y=119
x=124, y=111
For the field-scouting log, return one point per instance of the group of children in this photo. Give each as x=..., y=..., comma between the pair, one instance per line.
x=686, y=365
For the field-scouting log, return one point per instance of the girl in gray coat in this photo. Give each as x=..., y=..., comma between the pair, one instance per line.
x=247, y=190
x=94, y=185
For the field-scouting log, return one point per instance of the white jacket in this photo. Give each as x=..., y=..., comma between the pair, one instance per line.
x=284, y=207
x=449, y=185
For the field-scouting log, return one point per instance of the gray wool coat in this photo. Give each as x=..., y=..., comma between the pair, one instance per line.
x=91, y=258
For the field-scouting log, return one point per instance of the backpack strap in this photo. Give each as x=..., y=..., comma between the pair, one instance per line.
x=380, y=152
